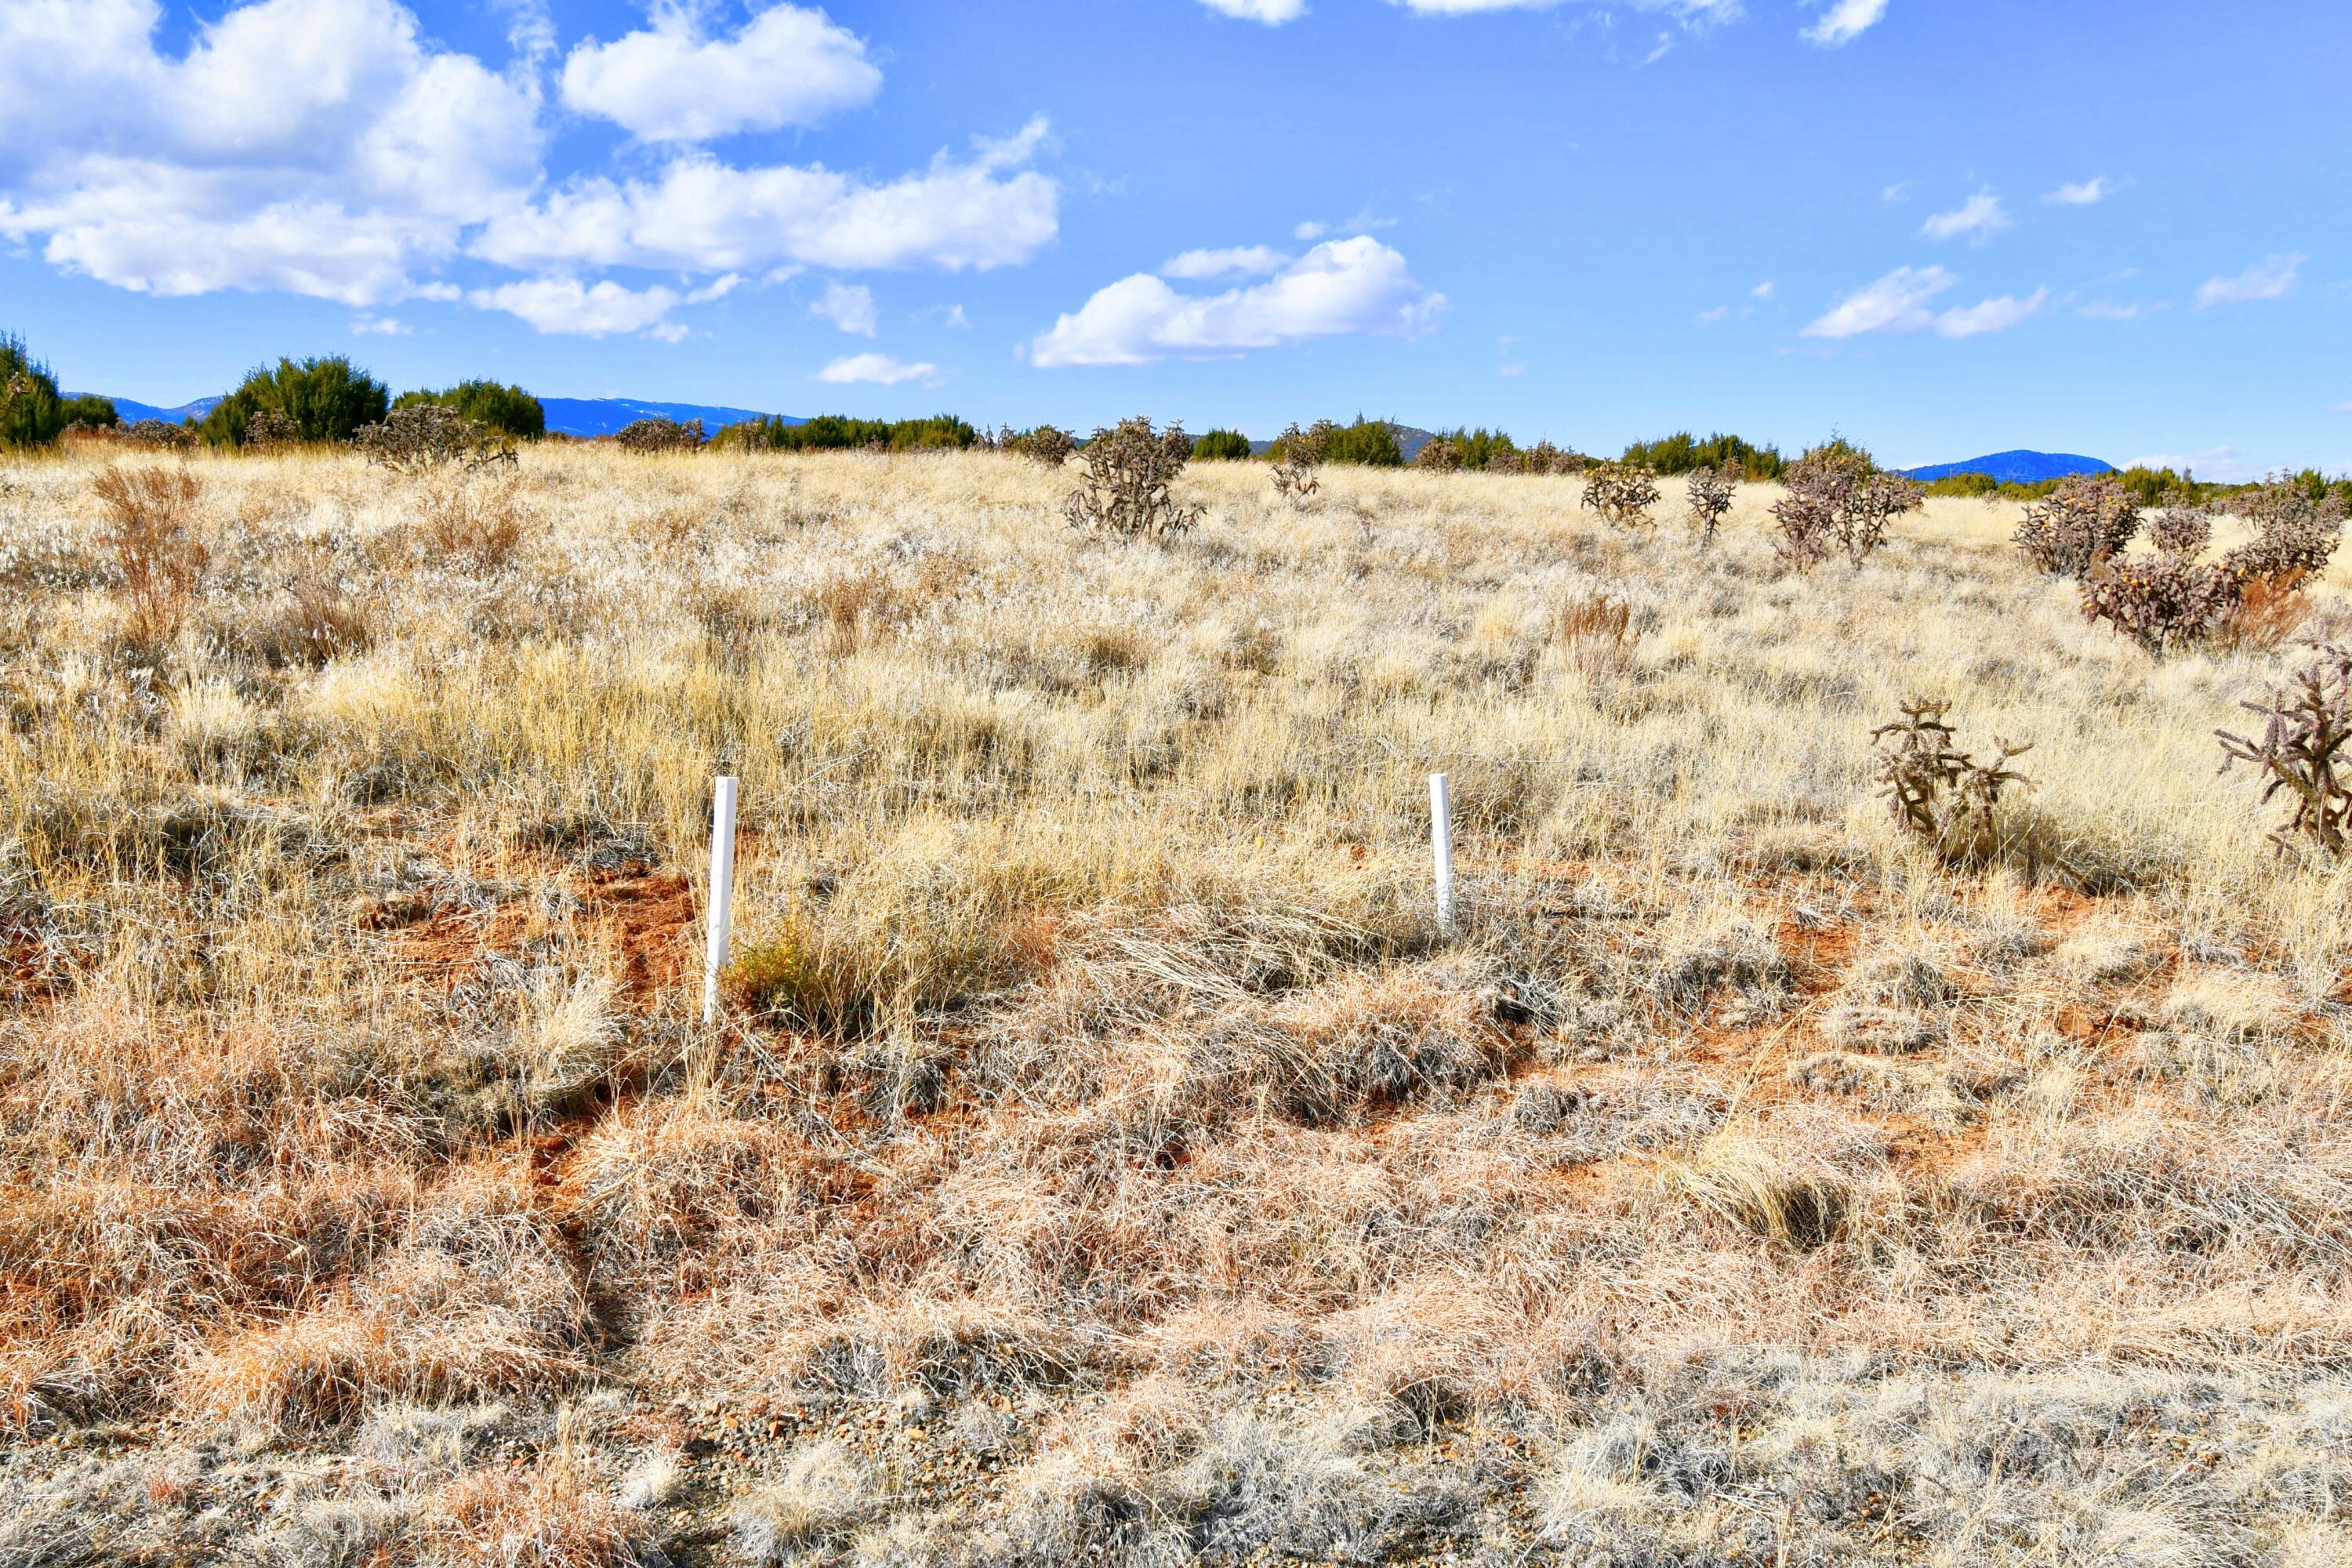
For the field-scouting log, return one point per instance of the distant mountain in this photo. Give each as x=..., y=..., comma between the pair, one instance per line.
x=2016, y=468
x=604, y=415
x=129, y=409
x=565, y=416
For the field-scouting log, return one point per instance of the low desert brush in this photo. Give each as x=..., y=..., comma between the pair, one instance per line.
x=151, y=515
x=1439, y=455
x=2085, y=521
x=660, y=436
x=1621, y=493
x=1128, y=472
x=426, y=435
x=2308, y=722
x=2250, y=597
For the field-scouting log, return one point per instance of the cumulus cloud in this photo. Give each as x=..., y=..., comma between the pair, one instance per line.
x=2089, y=193
x=1763, y=291
x=1253, y=261
x=327, y=148
x=565, y=305
x=1898, y=303
x=2274, y=278
x=317, y=147
x=1689, y=10
x=1845, y=21
x=381, y=326
x=1273, y=13
x=876, y=369
x=1342, y=287
x=1979, y=219
x=848, y=306
x=2216, y=464
x=671, y=82
x=701, y=215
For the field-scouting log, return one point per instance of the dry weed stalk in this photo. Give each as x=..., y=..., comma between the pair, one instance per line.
x=2307, y=722
x=151, y=516
x=1620, y=492
x=1125, y=489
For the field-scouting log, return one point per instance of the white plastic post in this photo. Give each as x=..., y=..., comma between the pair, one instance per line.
x=1441, y=841
x=722, y=895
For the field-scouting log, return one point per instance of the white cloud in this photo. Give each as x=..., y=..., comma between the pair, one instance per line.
x=1979, y=219
x=1846, y=21
x=701, y=215
x=316, y=147
x=2089, y=193
x=848, y=306
x=2108, y=310
x=1764, y=290
x=1273, y=13
x=1342, y=287
x=1253, y=261
x=2274, y=278
x=1310, y=230
x=381, y=326
x=1991, y=315
x=1720, y=313
x=2218, y=465
x=878, y=369
x=670, y=82
x=565, y=305
x=326, y=148
x=1896, y=303
x=1689, y=10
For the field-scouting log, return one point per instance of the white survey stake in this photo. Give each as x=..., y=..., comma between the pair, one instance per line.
x=722, y=895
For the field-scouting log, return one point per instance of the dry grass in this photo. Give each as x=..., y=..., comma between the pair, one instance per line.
x=1107, y=1159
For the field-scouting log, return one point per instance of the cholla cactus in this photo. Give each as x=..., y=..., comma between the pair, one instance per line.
x=660, y=436
x=2307, y=725
x=1710, y=497
x=2085, y=520
x=1938, y=793
x=1543, y=457
x=1049, y=445
x=271, y=431
x=1839, y=500
x=2181, y=531
x=1439, y=455
x=1128, y=472
x=2295, y=536
x=2161, y=604
x=1620, y=492
x=1297, y=455
x=424, y=436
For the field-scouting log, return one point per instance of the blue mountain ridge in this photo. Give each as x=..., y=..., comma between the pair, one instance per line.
x=565, y=416
x=2016, y=468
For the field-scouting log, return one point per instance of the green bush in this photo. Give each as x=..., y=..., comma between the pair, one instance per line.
x=30, y=412
x=1221, y=446
x=839, y=433
x=320, y=400
x=494, y=405
x=91, y=410
x=1480, y=447
x=1682, y=452
x=1369, y=442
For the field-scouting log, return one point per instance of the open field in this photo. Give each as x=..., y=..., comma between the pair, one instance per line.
x=1107, y=1160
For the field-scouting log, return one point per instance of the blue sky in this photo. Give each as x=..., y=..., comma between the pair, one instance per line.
x=1942, y=229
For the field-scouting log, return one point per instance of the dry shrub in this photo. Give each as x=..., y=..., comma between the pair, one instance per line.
x=1125, y=488
x=1597, y=632
x=854, y=605
x=1439, y=455
x=270, y=430
x=524, y=1516
x=1839, y=500
x=823, y=1493
x=1620, y=492
x=2306, y=722
x=2085, y=521
x=323, y=621
x=1938, y=794
x=1768, y=1184
x=425, y=437
x=151, y=515
x=1710, y=499
x=659, y=436
x=477, y=524
x=2270, y=610
x=156, y=436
